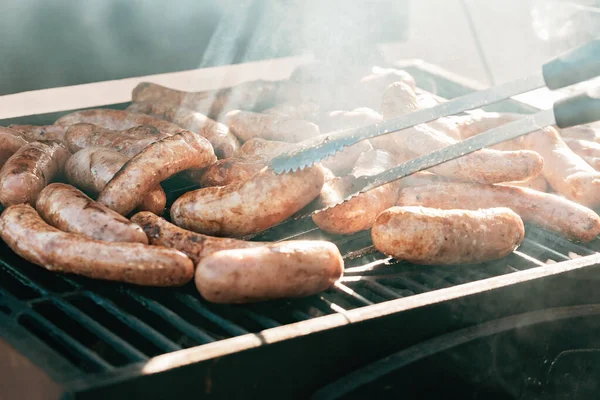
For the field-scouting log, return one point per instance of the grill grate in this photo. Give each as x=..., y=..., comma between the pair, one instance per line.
x=102, y=326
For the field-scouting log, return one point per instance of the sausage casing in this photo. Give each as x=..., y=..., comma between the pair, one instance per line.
x=29, y=170
x=447, y=237
x=280, y=270
x=10, y=142
x=26, y=233
x=69, y=210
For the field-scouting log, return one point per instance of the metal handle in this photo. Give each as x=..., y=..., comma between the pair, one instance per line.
x=577, y=65
x=580, y=109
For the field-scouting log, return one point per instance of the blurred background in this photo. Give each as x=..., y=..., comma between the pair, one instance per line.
x=65, y=42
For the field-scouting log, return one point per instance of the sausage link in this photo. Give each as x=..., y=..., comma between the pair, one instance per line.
x=69, y=210
x=92, y=168
x=196, y=246
x=10, y=142
x=280, y=270
x=248, y=125
x=223, y=141
x=232, y=170
x=482, y=166
x=447, y=237
x=26, y=233
x=538, y=183
x=583, y=148
x=340, y=119
x=307, y=111
x=249, y=206
x=29, y=170
x=359, y=213
x=129, y=142
x=36, y=133
x=567, y=173
x=153, y=165
x=545, y=210
x=258, y=147
x=252, y=95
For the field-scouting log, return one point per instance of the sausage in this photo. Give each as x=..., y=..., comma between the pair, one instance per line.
x=583, y=132
x=117, y=120
x=371, y=87
x=29, y=170
x=223, y=141
x=263, y=148
x=340, y=119
x=537, y=183
x=280, y=270
x=447, y=237
x=153, y=165
x=92, y=168
x=231, y=170
x=196, y=246
x=481, y=121
x=307, y=111
x=247, y=125
x=249, y=206
x=359, y=213
x=10, y=142
x=35, y=133
x=69, y=210
x=129, y=142
x=482, y=166
x=545, y=210
x=567, y=173
x=26, y=233
x=251, y=95
x=583, y=148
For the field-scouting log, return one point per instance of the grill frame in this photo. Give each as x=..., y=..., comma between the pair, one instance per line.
x=207, y=367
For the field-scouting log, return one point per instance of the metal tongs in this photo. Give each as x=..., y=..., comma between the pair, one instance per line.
x=575, y=66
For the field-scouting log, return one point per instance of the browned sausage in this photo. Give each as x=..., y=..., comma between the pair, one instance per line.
x=249, y=206
x=26, y=233
x=307, y=111
x=340, y=119
x=29, y=170
x=483, y=166
x=252, y=95
x=129, y=142
x=10, y=142
x=447, y=237
x=195, y=245
x=69, y=210
x=359, y=213
x=35, y=133
x=232, y=170
x=92, y=168
x=224, y=142
x=263, y=148
x=117, y=120
x=567, y=173
x=280, y=270
x=247, y=125
x=153, y=165
x=545, y=210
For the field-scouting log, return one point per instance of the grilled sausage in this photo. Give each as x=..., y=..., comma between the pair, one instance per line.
x=263, y=148
x=483, y=166
x=537, y=183
x=35, y=133
x=340, y=119
x=545, y=210
x=153, y=165
x=359, y=213
x=69, y=210
x=129, y=142
x=10, y=142
x=118, y=120
x=247, y=125
x=481, y=121
x=567, y=173
x=252, y=95
x=232, y=170
x=280, y=270
x=29, y=170
x=92, y=168
x=26, y=233
x=223, y=141
x=447, y=237
x=583, y=132
x=249, y=206
x=196, y=246
x=307, y=111
x=583, y=148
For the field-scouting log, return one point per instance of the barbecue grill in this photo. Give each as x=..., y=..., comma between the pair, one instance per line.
x=71, y=337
